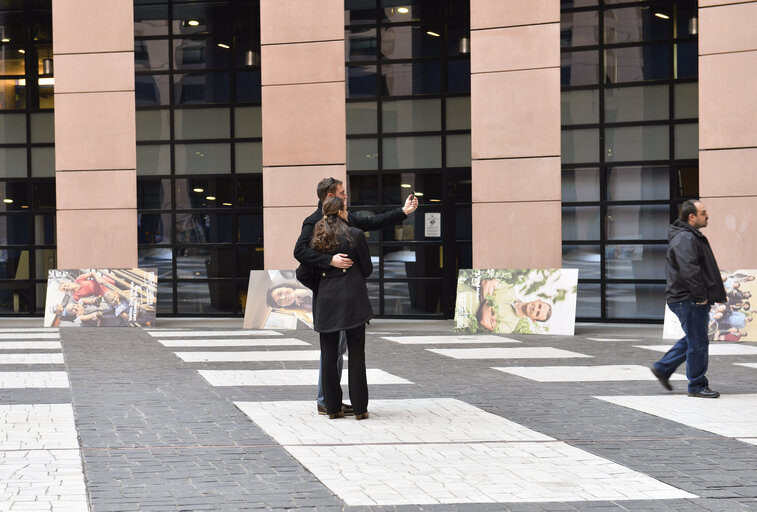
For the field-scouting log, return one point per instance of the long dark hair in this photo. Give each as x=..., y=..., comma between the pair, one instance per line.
x=331, y=228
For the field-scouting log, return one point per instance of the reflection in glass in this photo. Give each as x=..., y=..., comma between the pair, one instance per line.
x=151, y=90
x=197, y=193
x=583, y=257
x=397, y=11
x=250, y=191
x=12, y=128
x=411, y=41
x=362, y=154
x=361, y=118
x=153, y=125
x=12, y=162
x=201, y=53
x=687, y=60
x=579, y=107
x=206, y=228
x=14, y=196
x=151, y=55
x=637, y=222
x=635, y=143
x=686, y=100
x=637, y=63
x=458, y=150
x=248, y=122
x=361, y=81
x=579, y=29
x=14, y=230
x=153, y=159
x=638, y=183
x=159, y=258
x=44, y=194
x=579, y=68
x=248, y=86
x=580, y=185
x=203, y=158
x=204, y=123
x=363, y=190
x=638, y=301
x=458, y=113
x=150, y=20
x=412, y=152
x=646, y=103
x=589, y=300
x=411, y=115
x=12, y=95
x=580, y=146
x=44, y=230
x=153, y=194
x=635, y=261
x=687, y=140
x=580, y=223
x=409, y=78
x=250, y=229
x=458, y=76
x=360, y=44
x=249, y=157
x=633, y=24
x=43, y=162
x=201, y=88
x=154, y=228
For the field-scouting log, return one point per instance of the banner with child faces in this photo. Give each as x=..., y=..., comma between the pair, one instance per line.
x=731, y=321
x=101, y=297
x=277, y=300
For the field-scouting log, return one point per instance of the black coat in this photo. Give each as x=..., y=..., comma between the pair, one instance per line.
x=342, y=301
x=313, y=262
x=691, y=270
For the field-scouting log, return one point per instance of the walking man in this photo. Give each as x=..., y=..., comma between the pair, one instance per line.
x=312, y=262
x=693, y=285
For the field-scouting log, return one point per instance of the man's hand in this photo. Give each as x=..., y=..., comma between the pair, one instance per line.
x=487, y=287
x=411, y=204
x=341, y=261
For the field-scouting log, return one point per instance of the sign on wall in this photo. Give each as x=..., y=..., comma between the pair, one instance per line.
x=520, y=301
x=277, y=300
x=101, y=297
x=731, y=321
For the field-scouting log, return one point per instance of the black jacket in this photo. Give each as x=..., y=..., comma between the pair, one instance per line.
x=312, y=261
x=342, y=301
x=691, y=270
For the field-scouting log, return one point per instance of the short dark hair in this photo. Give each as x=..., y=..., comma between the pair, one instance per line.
x=688, y=208
x=326, y=186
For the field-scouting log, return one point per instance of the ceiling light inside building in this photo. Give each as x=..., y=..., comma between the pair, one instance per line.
x=434, y=34
x=198, y=190
x=661, y=15
x=418, y=194
x=193, y=23
x=5, y=40
x=222, y=45
x=211, y=198
x=9, y=201
x=406, y=185
x=403, y=10
x=22, y=51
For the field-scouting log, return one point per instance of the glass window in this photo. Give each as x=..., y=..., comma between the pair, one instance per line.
x=44, y=195
x=411, y=41
x=204, y=123
x=409, y=78
x=580, y=146
x=579, y=29
x=411, y=115
x=248, y=122
x=14, y=230
x=646, y=103
x=201, y=18
x=249, y=157
x=12, y=128
x=458, y=151
x=686, y=100
x=580, y=185
x=458, y=76
x=567, y=4
x=362, y=154
x=206, y=228
x=201, y=88
x=153, y=125
x=159, y=258
x=396, y=187
x=589, y=300
x=12, y=95
x=43, y=162
x=585, y=258
x=361, y=81
x=579, y=68
x=637, y=63
x=203, y=158
x=687, y=60
x=151, y=90
x=412, y=152
x=13, y=162
x=363, y=189
x=635, y=261
x=250, y=257
x=632, y=24
x=250, y=191
x=637, y=143
x=153, y=159
x=638, y=183
x=154, y=228
x=43, y=127
x=638, y=222
x=360, y=44
x=44, y=231
x=151, y=55
x=362, y=118
x=458, y=113
x=642, y=301
x=579, y=107
x=14, y=196
x=200, y=193
x=397, y=11
x=248, y=86
x=150, y=20
x=251, y=228
x=580, y=223
x=201, y=53
x=153, y=194
x=687, y=140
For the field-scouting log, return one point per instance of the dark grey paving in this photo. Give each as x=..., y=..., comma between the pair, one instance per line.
x=156, y=436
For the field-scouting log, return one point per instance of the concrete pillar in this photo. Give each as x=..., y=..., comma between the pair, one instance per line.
x=303, y=109
x=515, y=133
x=727, y=135
x=95, y=136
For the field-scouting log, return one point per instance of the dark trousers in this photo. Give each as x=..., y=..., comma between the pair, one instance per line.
x=692, y=348
x=358, y=384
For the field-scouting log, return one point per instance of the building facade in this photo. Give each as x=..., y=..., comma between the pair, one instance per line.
x=188, y=136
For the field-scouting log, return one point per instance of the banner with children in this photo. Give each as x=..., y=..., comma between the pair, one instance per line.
x=731, y=321
x=519, y=301
x=88, y=297
x=277, y=300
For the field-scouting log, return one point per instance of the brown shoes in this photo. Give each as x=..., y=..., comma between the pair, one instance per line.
x=363, y=416
x=346, y=409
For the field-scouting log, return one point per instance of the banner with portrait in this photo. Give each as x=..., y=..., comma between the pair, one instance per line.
x=101, y=297
x=731, y=321
x=277, y=300
x=518, y=301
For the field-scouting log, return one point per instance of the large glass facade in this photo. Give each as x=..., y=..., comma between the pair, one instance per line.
x=199, y=156
x=629, y=148
x=27, y=168
x=408, y=130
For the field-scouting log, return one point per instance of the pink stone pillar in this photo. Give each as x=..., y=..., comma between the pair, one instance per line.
x=515, y=133
x=303, y=110
x=95, y=140
x=727, y=135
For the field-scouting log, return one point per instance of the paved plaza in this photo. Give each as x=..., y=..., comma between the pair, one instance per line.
x=202, y=415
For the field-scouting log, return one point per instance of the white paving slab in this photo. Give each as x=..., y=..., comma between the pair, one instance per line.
x=275, y=342
x=429, y=420
x=37, y=427
x=17, y=380
x=29, y=329
x=611, y=339
x=30, y=345
x=716, y=349
x=197, y=334
x=287, y=377
x=602, y=373
x=506, y=353
x=29, y=335
x=748, y=365
x=49, y=480
x=441, y=340
x=417, y=474
x=31, y=358
x=750, y=441
x=269, y=355
x=729, y=415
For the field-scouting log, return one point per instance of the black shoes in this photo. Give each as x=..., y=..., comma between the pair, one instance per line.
x=705, y=393
x=346, y=409
x=662, y=379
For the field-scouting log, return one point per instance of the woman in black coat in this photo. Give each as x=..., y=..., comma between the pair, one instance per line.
x=342, y=304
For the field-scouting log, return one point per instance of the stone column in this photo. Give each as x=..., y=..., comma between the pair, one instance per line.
x=515, y=133
x=95, y=136
x=304, y=131
x=727, y=135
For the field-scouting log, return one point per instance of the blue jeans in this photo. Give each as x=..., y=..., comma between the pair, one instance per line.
x=692, y=348
x=339, y=366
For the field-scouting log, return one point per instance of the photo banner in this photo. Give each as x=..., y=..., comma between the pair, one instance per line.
x=277, y=300
x=731, y=321
x=517, y=301
x=101, y=297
